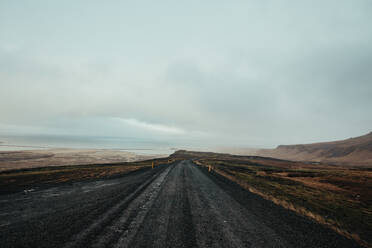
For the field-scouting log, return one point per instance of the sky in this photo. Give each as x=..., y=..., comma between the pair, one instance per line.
x=224, y=73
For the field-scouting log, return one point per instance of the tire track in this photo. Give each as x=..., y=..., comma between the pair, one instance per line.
x=169, y=223
x=223, y=221
x=86, y=236
x=139, y=209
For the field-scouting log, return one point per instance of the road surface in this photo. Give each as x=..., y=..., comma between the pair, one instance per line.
x=179, y=205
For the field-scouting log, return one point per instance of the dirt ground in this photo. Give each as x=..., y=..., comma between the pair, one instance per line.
x=12, y=160
x=174, y=205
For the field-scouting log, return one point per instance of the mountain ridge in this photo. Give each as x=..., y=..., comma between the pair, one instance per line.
x=353, y=151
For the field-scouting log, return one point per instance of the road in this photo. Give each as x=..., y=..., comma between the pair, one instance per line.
x=179, y=205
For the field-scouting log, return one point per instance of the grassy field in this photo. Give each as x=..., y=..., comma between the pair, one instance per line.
x=340, y=197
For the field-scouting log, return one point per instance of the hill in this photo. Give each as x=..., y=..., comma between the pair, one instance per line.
x=352, y=151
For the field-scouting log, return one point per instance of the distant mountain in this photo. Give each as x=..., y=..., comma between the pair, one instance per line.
x=353, y=151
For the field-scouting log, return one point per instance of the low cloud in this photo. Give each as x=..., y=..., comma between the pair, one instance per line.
x=270, y=73
x=153, y=127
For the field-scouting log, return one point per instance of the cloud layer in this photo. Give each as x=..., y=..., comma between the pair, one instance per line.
x=249, y=73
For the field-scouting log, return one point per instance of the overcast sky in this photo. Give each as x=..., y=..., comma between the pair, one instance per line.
x=241, y=73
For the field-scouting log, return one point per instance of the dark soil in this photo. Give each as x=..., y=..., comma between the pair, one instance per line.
x=178, y=205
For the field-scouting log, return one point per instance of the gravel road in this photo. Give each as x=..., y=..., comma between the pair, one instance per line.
x=179, y=205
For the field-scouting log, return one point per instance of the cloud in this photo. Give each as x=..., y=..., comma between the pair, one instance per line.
x=269, y=73
x=153, y=127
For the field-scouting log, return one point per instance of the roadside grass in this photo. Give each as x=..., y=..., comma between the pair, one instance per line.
x=25, y=179
x=340, y=197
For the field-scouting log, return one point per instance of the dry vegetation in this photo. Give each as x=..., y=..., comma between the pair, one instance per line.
x=18, y=180
x=340, y=197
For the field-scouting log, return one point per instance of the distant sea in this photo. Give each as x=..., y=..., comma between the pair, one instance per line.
x=136, y=145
